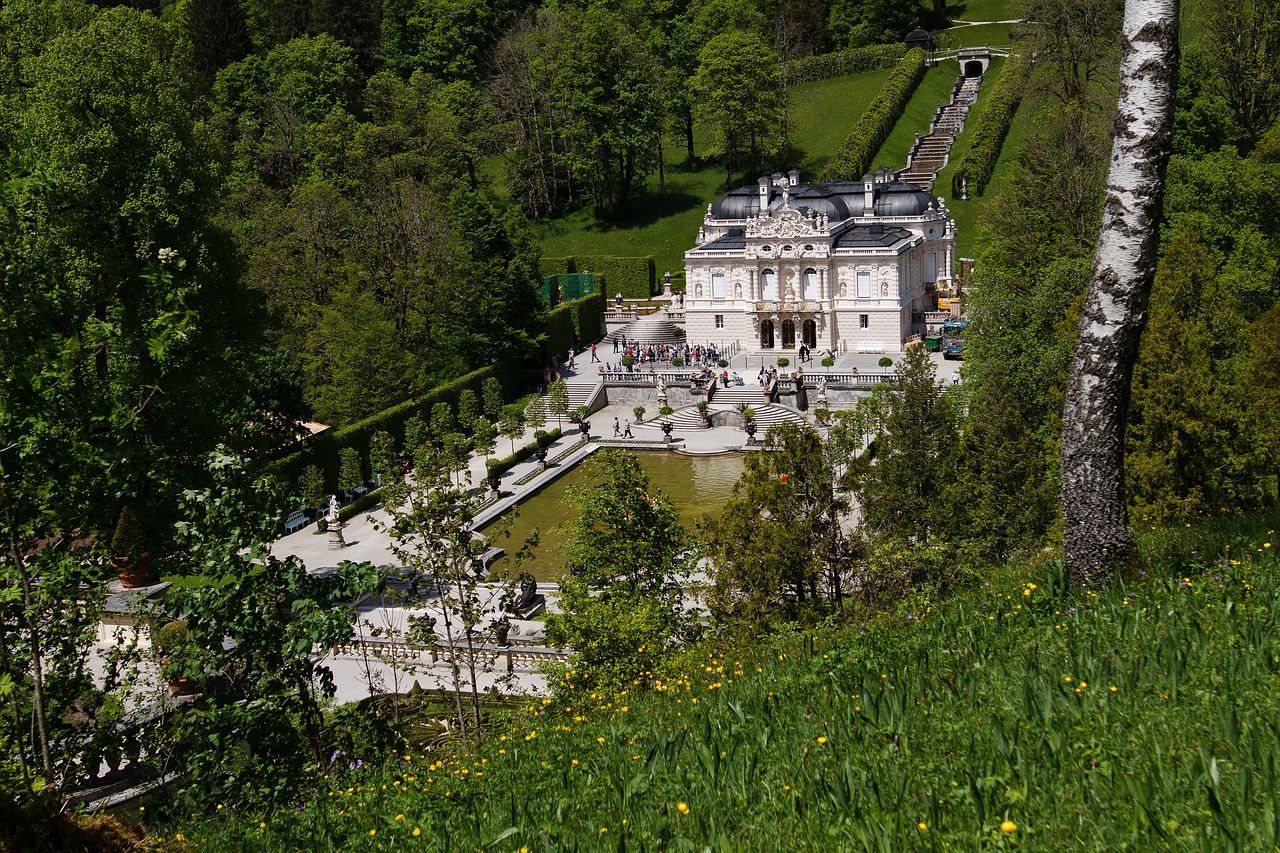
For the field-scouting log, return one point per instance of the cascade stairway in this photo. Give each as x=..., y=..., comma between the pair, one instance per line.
x=580, y=394
x=932, y=151
x=689, y=418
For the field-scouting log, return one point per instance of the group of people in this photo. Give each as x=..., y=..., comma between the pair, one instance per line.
x=644, y=353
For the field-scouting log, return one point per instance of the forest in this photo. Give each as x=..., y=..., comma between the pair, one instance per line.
x=222, y=219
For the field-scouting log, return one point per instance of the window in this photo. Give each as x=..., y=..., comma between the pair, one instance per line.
x=931, y=263
x=864, y=286
x=863, y=321
x=769, y=286
x=809, y=285
x=717, y=285
x=719, y=321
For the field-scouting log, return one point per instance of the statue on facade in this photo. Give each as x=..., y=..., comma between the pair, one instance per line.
x=331, y=515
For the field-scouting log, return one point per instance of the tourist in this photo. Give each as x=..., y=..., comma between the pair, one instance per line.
x=615, y=343
x=594, y=357
x=626, y=433
x=616, y=431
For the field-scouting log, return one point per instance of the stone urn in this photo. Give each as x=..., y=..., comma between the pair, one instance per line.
x=584, y=427
x=541, y=453
x=495, y=483
x=666, y=431
x=750, y=428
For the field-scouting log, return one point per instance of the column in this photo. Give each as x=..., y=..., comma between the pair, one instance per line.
x=751, y=286
x=822, y=284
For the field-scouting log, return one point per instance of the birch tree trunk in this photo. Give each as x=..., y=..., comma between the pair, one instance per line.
x=1097, y=540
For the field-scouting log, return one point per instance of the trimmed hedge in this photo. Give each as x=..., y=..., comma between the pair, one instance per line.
x=323, y=450
x=506, y=463
x=811, y=69
x=581, y=317
x=979, y=161
x=853, y=159
x=634, y=277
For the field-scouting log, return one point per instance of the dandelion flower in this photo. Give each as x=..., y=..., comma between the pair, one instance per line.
x=822, y=739
x=682, y=807
x=1008, y=826
x=922, y=825
x=417, y=831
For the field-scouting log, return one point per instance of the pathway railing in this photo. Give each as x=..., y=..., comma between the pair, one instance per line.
x=517, y=652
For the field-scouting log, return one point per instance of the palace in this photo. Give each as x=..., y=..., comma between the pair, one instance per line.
x=849, y=266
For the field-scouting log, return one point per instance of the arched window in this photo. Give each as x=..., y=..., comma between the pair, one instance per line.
x=809, y=284
x=769, y=286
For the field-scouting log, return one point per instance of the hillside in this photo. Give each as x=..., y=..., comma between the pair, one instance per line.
x=1017, y=714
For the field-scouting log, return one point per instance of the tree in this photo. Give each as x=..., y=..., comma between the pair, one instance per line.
x=1074, y=44
x=511, y=423
x=350, y=473
x=558, y=400
x=382, y=454
x=491, y=391
x=777, y=549
x=1244, y=47
x=468, y=409
x=899, y=493
x=738, y=90
x=311, y=487
x=858, y=23
x=535, y=415
x=447, y=39
x=483, y=440
x=620, y=603
x=265, y=689
x=431, y=536
x=441, y=422
x=1097, y=540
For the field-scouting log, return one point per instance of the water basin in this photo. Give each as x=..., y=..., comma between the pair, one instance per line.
x=697, y=485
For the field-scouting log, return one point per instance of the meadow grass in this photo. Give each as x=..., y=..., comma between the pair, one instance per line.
x=1019, y=713
x=665, y=225
x=978, y=35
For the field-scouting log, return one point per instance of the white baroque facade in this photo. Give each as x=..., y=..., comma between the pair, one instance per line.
x=849, y=266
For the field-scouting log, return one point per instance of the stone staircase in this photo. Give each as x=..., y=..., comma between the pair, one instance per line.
x=932, y=151
x=580, y=394
x=689, y=418
x=652, y=328
x=751, y=394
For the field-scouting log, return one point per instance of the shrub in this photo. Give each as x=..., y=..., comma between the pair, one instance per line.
x=885, y=361
x=853, y=158
x=638, y=411
x=571, y=323
x=724, y=362
x=677, y=361
x=821, y=416
x=828, y=362
x=627, y=360
x=632, y=277
x=989, y=131
x=811, y=69
x=501, y=466
x=665, y=410
x=784, y=362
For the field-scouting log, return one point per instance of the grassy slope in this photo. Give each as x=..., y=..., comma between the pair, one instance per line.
x=1139, y=718
x=665, y=226
x=983, y=10
x=934, y=89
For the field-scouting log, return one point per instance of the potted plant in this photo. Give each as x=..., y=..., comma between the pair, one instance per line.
x=704, y=409
x=580, y=414
x=171, y=642
x=638, y=411
x=129, y=552
x=821, y=416
x=666, y=410
x=783, y=362
x=501, y=628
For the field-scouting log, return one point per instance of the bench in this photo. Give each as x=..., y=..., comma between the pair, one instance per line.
x=296, y=521
x=870, y=346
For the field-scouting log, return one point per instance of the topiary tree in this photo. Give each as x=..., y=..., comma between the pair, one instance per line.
x=491, y=391
x=828, y=362
x=886, y=361
x=468, y=410
x=511, y=423
x=558, y=399
x=350, y=473
x=535, y=415
x=784, y=361
x=311, y=485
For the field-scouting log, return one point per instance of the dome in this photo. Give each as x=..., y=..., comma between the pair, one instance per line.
x=901, y=199
x=821, y=201
x=742, y=203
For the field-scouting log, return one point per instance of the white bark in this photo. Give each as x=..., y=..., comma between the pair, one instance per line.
x=1096, y=536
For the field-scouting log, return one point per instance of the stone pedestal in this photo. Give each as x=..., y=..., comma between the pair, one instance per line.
x=336, y=542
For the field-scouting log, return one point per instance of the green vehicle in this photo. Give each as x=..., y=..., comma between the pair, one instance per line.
x=954, y=335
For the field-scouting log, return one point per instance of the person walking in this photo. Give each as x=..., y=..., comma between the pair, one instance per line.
x=569, y=359
x=626, y=433
x=616, y=430
x=594, y=357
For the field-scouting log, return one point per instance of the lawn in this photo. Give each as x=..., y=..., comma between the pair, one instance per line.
x=983, y=10
x=934, y=89
x=664, y=226
x=979, y=35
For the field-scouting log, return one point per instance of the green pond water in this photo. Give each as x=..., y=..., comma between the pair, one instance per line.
x=697, y=485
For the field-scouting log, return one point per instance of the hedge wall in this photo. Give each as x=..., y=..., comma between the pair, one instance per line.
x=870, y=58
x=633, y=277
x=979, y=161
x=581, y=317
x=554, y=266
x=853, y=159
x=322, y=451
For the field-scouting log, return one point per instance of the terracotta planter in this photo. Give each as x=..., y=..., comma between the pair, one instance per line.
x=134, y=574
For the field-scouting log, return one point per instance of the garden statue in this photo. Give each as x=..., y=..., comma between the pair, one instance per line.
x=336, y=542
